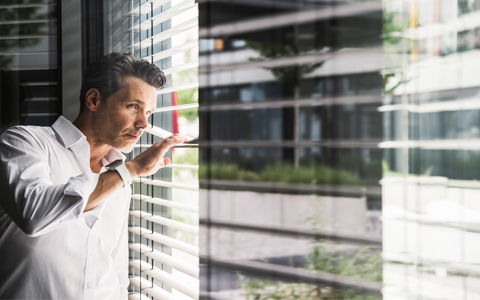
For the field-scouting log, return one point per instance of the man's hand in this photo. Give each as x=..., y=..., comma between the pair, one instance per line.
x=149, y=161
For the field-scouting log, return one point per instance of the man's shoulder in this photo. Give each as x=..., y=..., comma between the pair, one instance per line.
x=29, y=130
x=29, y=133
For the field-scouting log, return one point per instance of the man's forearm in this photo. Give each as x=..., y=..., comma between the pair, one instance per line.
x=145, y=164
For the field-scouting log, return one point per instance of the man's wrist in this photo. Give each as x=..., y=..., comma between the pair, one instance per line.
x=131, y=168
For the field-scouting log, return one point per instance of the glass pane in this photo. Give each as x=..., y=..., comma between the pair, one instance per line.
x=290, y=170
x=28, y=63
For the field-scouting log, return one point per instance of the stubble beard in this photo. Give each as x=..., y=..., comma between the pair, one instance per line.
x=105, y=133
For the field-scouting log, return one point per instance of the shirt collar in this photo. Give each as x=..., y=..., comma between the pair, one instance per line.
x=71, y=135
x=112, y=156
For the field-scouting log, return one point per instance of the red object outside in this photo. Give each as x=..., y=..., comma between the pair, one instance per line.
x=174, y=114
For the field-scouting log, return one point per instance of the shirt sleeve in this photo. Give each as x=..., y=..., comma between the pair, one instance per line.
x=120, y=253
x=30, y=198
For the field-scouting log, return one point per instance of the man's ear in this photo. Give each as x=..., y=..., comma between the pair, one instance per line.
x=92, y=99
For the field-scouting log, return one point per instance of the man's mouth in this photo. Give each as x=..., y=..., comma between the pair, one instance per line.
x=133, y=136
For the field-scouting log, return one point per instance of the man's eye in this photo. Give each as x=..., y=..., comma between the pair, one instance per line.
x=132, y=106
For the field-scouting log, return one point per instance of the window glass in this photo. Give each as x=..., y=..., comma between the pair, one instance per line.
x=28, y=63
x=333, y=120
x=291, y=165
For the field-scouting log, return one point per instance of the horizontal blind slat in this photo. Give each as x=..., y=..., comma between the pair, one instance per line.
x=147, y=6
x=146, y=286
x=162, y=276
x=26, y=5
x=134, y=296
x=165, y=222
x=178, y=88
x=182, y=67
x=163, y=239
x=191, y=167
x=157, y=131
x=178, y=29
x=168, y=203
x=168, y=14
x=146, y=146
x=176, y=107
x=166, y=259
x=167, y=184
x=17, y=37
x=174, y=50
x=16, y=22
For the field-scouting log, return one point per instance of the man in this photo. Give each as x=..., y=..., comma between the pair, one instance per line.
x=65, y=189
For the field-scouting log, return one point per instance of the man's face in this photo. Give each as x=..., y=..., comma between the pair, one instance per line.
x=122, y=118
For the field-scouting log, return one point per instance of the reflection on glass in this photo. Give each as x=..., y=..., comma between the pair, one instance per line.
x=282, y=173
x=28, y=63
x=290, y=165
x=288, y=73
x=430, y=116
x=340, y=140
x=22, y=27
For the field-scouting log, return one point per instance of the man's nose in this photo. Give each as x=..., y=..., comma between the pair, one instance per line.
x=142, y=121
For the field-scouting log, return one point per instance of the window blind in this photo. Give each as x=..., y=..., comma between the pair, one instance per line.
x=163, y=247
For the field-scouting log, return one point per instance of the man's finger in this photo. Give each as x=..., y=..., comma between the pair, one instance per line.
x=165, y=162
x=179, y=139
x=169, y=141
x=167, y=144
x=164, y=145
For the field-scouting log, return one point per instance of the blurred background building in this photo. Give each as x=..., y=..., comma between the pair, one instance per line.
x=338, y=139
x=290, y=127
x=430, y=212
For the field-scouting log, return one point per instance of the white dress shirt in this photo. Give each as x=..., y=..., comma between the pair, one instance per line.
x=50, y=248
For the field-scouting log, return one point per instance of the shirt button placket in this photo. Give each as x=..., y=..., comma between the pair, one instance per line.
x=91, y=269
